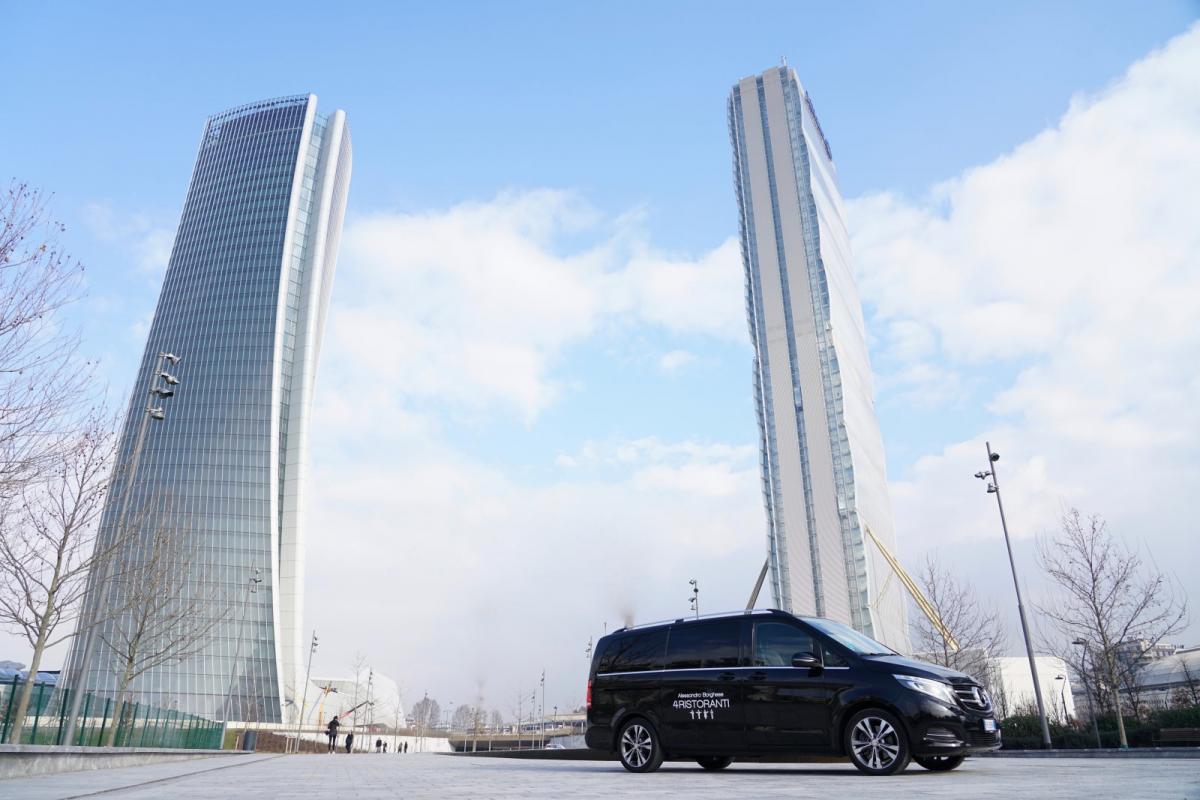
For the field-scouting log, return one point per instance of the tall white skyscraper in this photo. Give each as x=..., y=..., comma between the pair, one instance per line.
x=222, y=470
x=823, y=467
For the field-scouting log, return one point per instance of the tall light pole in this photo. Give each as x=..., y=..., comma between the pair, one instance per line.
x=312, y=648
x=695, y=598
x=993, y=487
x=161, y=386
x=251, y=588
x=1087, y=687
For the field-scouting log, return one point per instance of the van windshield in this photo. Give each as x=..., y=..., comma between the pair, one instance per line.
x=846, y=636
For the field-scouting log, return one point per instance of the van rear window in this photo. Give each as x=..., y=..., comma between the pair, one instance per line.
x=635, y=652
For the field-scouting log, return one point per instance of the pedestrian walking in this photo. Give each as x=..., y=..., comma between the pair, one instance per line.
x=331, y=731
x=349, y=741
x=406, y=747
x=385, y=748
x=379, y=745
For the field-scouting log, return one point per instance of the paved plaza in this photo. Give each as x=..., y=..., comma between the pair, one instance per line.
x=417, y=776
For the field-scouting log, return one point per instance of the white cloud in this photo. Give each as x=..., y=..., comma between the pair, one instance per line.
x=479, y=302
x=1073, y=263
x=675, y=360
x=148, y=243
x=466, y=574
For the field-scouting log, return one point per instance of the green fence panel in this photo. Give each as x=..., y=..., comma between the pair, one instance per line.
x=130, y=724
x=62, y=715
x=36, y=702
x=12, y=695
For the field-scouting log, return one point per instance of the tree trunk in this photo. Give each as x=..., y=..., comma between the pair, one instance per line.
x=22, y=711
x=119, y=707
x=1116, y=690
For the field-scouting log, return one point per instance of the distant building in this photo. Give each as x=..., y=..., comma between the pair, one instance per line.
x=351, y=702
x=1171, y=681
x=1012, y=687
x=823, y=476
x=1139, y=652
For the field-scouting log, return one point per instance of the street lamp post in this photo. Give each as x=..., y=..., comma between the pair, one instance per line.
x=994, y=488
x=1087, y=688
x=251, y=588
x=312, y=648
x=162, y=385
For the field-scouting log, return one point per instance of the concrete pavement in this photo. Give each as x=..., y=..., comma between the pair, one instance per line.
x=421, y=776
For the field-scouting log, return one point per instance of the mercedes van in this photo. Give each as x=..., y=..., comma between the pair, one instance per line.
x=769, y=684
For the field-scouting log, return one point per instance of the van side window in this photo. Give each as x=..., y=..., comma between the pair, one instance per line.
x=699, y=645
x=775, y=643
x=636, y=652
x=832, y=659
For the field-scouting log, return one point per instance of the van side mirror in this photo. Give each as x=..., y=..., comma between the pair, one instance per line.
x=807, y=661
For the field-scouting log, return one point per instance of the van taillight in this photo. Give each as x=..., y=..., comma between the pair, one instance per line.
x=589, y=695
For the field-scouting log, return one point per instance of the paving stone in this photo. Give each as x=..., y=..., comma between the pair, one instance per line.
x=420, y=776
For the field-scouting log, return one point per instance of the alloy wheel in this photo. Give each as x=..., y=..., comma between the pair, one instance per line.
x=875, y=743
x=636, y=746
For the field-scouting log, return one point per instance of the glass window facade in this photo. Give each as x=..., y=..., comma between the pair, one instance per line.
x=822, y=453
x=243, y=304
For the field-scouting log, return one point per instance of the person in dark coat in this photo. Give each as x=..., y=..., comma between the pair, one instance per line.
x=349, y=741
x=331, y=731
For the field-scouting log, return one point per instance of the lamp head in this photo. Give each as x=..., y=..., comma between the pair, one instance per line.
x=995, y=456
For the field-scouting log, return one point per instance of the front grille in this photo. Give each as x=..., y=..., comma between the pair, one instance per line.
x=982, y=738
x=972, y=697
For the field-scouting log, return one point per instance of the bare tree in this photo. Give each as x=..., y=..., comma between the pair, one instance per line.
x=426, y=714
x=976, y=629
x=168, y=613
x=497, y=721
x=1107, y=599
x=48, y=547
x=464, y=718
x=40, y=373
x=1189, y=693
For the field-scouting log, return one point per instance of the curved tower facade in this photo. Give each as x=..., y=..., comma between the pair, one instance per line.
x=823, y=472
x=243, y=304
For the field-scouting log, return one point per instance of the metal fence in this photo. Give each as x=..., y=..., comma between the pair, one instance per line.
x=139, y=726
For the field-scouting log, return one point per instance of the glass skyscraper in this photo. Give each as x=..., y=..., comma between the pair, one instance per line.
x=823, y=472
x=243, y=304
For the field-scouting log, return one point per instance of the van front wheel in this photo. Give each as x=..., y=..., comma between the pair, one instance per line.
x=876, y=742
x=639, y=747
x=939, y=763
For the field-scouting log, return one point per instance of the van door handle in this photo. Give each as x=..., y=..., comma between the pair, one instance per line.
x=726, y=676
x=758, y=675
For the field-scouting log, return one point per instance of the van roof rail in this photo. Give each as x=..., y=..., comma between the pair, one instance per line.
x=715, y=615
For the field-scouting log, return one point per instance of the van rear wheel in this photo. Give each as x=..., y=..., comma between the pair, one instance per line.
x=714, y=762
x=639, y=747
x=939, y=763
x=876, y=742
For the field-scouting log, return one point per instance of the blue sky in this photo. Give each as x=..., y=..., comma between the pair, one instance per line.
x=587, y=142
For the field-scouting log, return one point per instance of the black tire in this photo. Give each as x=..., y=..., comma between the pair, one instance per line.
x=876, y=742
x=639, y=747
x=939, y=763
x=714, y=762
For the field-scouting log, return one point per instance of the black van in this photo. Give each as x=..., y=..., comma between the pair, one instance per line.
x=766, y=683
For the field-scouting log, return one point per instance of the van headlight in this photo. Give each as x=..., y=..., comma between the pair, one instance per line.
x=935, y=689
